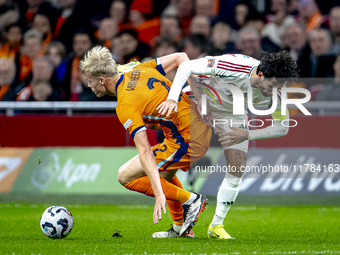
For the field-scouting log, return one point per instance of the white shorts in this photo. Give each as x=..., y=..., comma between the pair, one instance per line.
x=222, y=123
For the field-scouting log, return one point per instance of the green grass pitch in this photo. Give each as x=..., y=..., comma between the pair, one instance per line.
x=307, y=229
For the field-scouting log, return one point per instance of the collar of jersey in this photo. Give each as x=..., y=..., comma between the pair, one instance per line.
x=249, y=76
x=119, y=82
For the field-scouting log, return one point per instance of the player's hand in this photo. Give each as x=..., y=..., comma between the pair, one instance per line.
x=159, y=205
x=167, y=106
x=235, y=137
x=208, y=118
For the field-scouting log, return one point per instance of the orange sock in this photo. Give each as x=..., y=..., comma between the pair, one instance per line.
x=175, y=208
x=171, y=191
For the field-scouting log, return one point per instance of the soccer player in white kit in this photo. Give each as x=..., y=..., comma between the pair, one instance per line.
x=274, y=70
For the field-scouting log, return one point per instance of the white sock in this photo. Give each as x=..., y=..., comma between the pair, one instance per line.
x=177, y=228
x=217, y=220
x=191, y=199
x=226, y=196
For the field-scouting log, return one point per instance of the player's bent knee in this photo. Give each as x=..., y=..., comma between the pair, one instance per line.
x=122, y=177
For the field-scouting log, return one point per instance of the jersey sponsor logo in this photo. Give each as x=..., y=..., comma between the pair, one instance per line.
x=256, y=100
x=211, y=62
x=127, y=124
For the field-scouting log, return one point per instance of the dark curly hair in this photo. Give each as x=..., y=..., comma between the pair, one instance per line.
x=279, y=65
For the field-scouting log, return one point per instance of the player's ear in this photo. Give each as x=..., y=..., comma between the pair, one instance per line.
x=102, y=80
x=260, y=74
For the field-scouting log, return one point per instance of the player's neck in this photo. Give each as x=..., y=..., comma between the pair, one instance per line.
x=111, y=84
x=254, y=79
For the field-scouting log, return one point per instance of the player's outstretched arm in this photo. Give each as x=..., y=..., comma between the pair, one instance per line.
x=273, y=131
x=173, y=61
x=187, y=68
x=239, y=135
x=149, y=165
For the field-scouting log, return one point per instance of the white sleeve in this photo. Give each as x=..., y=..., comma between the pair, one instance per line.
x=277, y=130
x=273, y=131
x=187, y=68
x=228, y=65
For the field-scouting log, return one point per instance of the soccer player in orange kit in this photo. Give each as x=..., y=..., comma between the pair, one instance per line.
x=140, y=88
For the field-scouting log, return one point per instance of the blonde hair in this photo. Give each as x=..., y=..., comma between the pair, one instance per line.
x=98, y=62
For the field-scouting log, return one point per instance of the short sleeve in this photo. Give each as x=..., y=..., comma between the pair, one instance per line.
x=131, y=118
x=156, y=64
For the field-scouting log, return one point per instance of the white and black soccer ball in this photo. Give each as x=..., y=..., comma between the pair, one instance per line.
x=56, y=222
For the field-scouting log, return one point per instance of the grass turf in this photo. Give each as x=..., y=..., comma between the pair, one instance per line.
x=257, y=229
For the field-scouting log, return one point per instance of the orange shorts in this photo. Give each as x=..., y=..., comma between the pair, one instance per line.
x=170, y=156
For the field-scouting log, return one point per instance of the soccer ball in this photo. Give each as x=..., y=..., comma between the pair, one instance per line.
x=56, y=222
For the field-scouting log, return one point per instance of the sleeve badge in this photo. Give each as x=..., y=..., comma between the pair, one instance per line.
x=211, y=62
x=127, y=124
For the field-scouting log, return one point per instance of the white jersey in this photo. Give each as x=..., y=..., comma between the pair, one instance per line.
x=236, y=70
x=229, y=69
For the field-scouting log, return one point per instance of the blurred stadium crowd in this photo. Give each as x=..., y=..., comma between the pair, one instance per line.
x=41, y=42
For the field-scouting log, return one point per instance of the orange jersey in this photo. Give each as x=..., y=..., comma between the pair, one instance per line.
x=139, y=92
